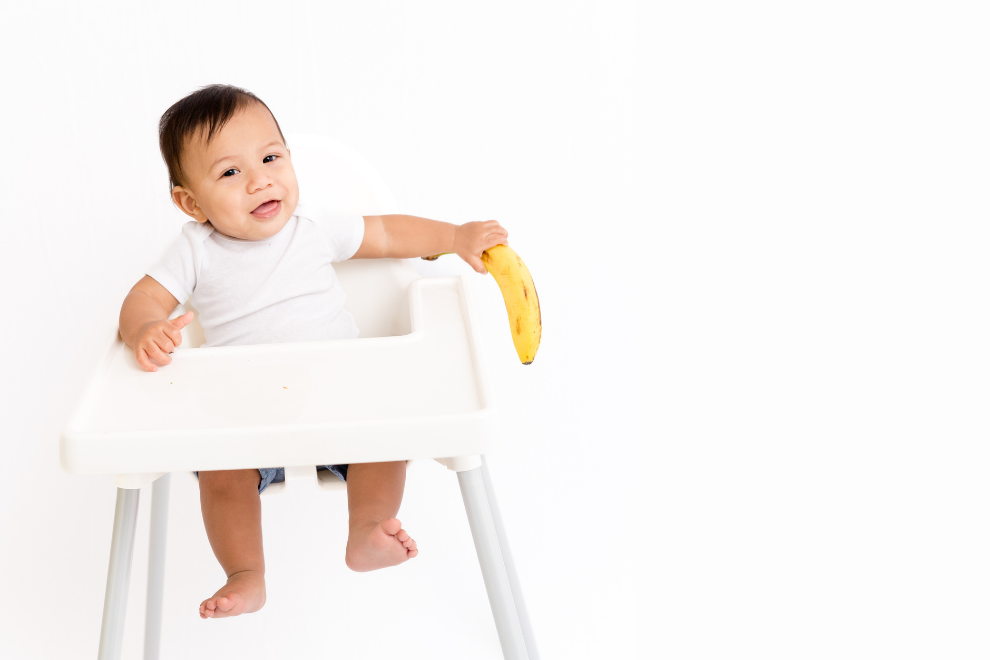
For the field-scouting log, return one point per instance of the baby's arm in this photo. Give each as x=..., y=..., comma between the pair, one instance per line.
x=145, y=326
x=406, y=236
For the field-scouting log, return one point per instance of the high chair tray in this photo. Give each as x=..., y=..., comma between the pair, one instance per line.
x=421, y=395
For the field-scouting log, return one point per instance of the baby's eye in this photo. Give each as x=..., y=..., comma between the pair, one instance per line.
x=269, y=158
x=230, y=172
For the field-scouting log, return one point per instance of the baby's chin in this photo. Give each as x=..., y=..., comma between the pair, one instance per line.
x=252, y=229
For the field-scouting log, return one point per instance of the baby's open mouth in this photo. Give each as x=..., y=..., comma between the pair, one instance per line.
x=268, y=210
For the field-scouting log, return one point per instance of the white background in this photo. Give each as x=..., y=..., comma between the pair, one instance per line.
x=763, y=226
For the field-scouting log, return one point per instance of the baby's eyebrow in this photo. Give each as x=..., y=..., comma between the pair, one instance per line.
x=220, y=160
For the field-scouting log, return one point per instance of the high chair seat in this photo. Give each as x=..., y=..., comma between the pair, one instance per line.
x=413, y=385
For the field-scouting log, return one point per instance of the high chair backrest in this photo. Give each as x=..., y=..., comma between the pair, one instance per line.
x=337, y=179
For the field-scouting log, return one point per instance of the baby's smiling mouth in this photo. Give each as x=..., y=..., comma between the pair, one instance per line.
x=268, y=210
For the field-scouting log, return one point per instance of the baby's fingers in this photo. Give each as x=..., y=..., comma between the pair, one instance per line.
x=157, y=354
x=167, y=343
x=144, y=361
x=495, y=235
x=498, y=238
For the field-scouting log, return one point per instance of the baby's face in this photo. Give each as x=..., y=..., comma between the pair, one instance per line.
x=242, y=181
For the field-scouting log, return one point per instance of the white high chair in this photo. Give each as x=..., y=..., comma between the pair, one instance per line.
x=414, y=385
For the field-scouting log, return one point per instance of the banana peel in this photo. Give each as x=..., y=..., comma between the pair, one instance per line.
x=519, y=292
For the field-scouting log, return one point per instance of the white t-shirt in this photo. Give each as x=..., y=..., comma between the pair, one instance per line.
x=281, y=289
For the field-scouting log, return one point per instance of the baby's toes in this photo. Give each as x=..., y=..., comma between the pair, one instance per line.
x=403, y=536
x=392, y=526
x=409, y=543
x=224, y=604
x=412, y=553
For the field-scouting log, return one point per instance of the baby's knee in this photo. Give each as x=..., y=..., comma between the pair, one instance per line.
x=227, y=480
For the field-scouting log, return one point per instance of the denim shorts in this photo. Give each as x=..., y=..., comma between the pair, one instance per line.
x=277, y=475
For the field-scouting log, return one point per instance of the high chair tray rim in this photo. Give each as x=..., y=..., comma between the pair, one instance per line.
x=421, y=395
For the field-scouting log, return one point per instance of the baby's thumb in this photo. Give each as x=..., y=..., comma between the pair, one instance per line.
x=182, y=321
x=477, y=264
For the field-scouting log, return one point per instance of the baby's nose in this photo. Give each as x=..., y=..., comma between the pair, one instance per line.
x=260, y=183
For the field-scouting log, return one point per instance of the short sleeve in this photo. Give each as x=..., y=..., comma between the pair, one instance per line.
x=343, y=232
x=177, y=269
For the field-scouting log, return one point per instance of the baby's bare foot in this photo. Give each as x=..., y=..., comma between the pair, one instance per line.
x=243, y=593
x=385, y=544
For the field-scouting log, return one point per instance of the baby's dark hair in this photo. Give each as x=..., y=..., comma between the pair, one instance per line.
x=209, y=108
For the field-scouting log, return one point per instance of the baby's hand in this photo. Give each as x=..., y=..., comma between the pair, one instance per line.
x=473, y=238
x=159, y=338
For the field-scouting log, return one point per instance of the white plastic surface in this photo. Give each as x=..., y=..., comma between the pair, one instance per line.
x=460, y=463
x=421, y=395
x=136, y=480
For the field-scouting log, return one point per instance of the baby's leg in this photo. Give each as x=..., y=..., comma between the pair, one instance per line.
x=232, y=516
x=376, y=539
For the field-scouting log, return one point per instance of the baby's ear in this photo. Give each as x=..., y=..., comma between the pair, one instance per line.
x=187, y=204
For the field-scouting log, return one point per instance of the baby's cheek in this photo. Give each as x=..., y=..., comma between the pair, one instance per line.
x=225, y=210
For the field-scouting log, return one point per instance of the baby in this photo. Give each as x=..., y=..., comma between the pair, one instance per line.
x=259, y=265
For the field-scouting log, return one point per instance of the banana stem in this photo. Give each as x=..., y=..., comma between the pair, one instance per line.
x=435, y=256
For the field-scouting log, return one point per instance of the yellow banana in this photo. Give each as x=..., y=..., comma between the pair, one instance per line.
x=519, y=292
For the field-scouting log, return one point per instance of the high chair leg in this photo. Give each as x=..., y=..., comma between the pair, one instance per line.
x=118, y=574
x=510, y=566
x=156, y=567
x=480, y=513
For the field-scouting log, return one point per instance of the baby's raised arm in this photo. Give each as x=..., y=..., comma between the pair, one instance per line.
x=145, y=326
x=405, y=236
